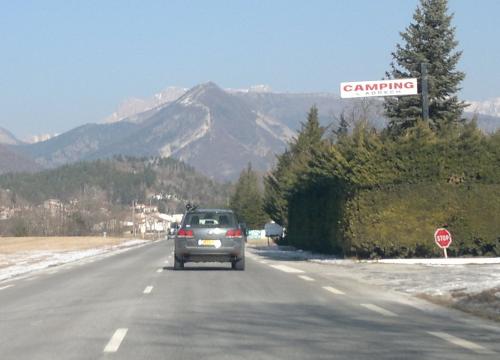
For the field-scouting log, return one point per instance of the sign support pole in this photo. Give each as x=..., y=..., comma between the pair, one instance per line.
x=445, y=253
x=425, y=91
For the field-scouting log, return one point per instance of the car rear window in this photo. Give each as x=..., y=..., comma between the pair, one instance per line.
x=210, y=219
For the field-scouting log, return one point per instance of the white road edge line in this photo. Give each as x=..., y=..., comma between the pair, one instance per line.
x=378, y=310
x=32, y=278
x=114, y=343
x=461, y=342
x=148, y=290
x=6, y=287
x=287, y=269
x=159, y=270
x=333, y=290
x=306, y=278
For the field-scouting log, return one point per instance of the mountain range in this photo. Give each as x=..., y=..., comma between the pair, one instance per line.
x=216, y=131
x=490, y=107
x=14, y=161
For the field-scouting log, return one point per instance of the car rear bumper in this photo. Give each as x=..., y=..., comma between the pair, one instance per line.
x=206, y=254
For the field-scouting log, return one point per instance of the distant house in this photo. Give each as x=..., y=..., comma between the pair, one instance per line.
x=9, y=212
x=54, y=206
x=4, y=213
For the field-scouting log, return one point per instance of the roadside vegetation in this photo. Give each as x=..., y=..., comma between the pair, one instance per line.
x=246, y=200
x=356, y=191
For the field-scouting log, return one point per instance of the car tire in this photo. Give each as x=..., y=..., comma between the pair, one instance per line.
x=178, y=264
x=238, y=264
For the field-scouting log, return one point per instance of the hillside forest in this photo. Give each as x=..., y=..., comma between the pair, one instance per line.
x=91, y=197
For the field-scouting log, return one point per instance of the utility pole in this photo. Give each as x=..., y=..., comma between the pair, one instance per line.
x=133, y=217
x=425, y=91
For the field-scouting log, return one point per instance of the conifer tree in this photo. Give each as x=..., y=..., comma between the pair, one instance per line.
x=343, y=128
x=247, y=200
x=275, y=185
x=291, y=165
x=310, y=133
x=429, y=39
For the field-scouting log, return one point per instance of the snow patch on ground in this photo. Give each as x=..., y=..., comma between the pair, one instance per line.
x=289, y=253
x=438, y=262
x=469, y=284
x=21, y=263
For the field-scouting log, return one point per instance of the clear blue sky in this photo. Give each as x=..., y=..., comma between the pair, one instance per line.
x=68, y=62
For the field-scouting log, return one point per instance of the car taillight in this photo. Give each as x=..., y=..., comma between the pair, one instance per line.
x=233, y=233
x=185, y=233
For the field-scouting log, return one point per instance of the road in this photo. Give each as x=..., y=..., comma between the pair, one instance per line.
x=132, y=305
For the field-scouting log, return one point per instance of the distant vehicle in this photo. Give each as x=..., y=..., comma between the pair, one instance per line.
x=173, y=228
x=210, y=235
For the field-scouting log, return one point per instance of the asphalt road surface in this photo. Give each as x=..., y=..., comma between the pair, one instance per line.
x=132, y=305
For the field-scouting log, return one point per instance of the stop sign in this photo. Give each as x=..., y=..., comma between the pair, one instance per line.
x=442, y=238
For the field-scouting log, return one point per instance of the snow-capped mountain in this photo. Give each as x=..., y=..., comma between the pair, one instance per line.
x=489, y=107
x=130, y=107
x=209, y=128
x=261, y=88
x=212, y=129
x=39, y=138
x=215, y=130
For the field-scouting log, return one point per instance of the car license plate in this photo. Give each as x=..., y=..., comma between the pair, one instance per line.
x=214, y=243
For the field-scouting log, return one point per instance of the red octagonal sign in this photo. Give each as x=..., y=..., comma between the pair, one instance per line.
x=442, y=238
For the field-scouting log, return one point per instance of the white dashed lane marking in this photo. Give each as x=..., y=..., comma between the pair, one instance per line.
x=378, y=310
x=333, y=290
x=116, y=340
x=148, y=290
x=287, y=269
x=6, y=287
x=32, y=278
x=159, y=270
x=306, y=278
x=461, y=342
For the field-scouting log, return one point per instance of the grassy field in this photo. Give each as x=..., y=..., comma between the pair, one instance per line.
x=12, y=245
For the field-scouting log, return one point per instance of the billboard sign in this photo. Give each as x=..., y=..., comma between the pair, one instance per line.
x=395, y=87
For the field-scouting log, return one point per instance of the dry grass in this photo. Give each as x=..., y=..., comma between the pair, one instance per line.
x=12, y=245
x=485, y=304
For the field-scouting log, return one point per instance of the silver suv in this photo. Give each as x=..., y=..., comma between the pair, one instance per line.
x=210, y=235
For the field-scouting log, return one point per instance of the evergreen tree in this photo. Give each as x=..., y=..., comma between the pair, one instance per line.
x=275, y=185
x=310, y=134
x=343, y=129
x=247, y=200
x=292, y=164
x=429, y=39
